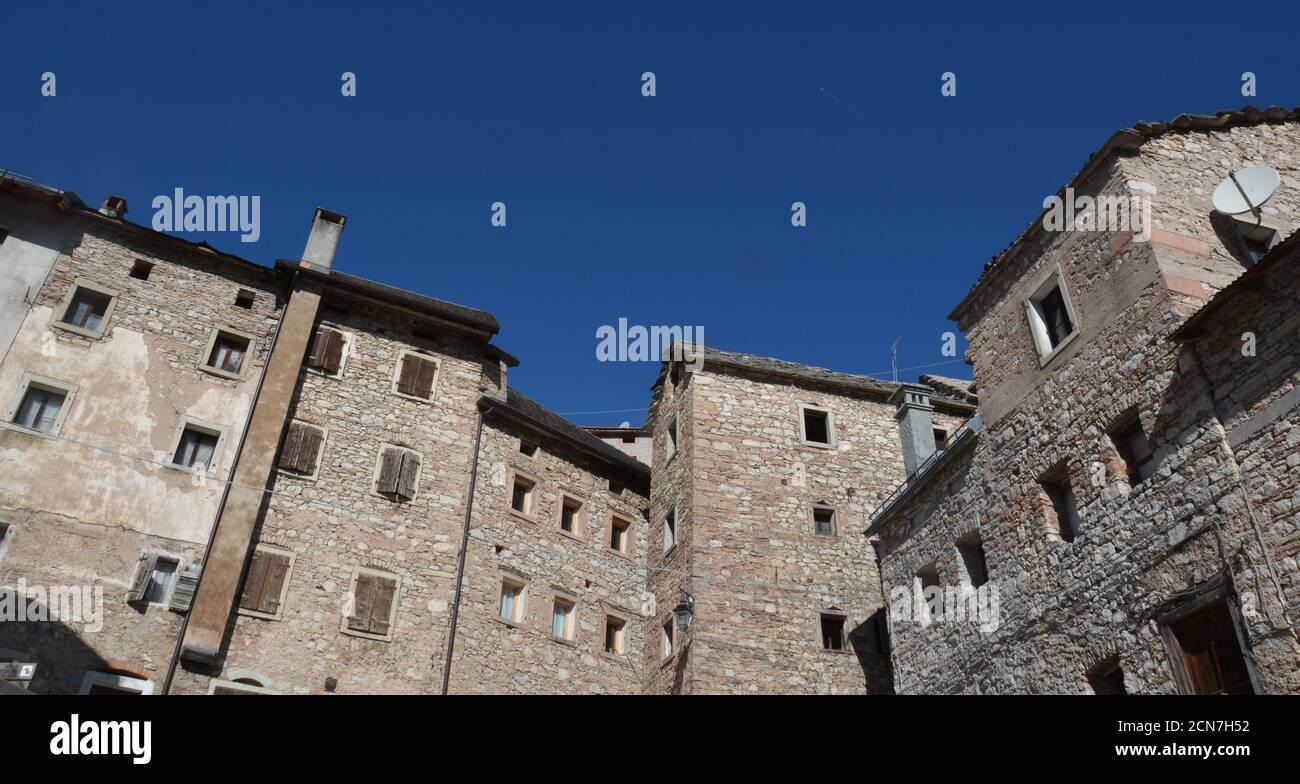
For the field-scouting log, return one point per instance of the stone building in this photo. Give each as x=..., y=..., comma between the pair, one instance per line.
x=1121, y=517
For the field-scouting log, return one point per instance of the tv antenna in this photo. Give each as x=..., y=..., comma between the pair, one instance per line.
x=1246, y=190
x=893, y=356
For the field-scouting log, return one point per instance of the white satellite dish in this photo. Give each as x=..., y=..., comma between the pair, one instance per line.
x=1245, y=190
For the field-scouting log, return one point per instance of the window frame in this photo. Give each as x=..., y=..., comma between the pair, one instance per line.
x=829, y=443
x=563, y=598
x=530, y=498
x=163, y=555
x=843, y=618
x=351, y=597
x=89, y=285
x=670, y=441
x=245, y=363
x=29, y=378
x=519, y=607
x=963, y=544
x=187, y=422
x=114, y=681
x=1051, y=278
x=620, y=641
x=835, y=522
x=579, y=517
x=1133, y=471
x=670, y=514
x=284, y=587
x=402, y=354
x=626, y=552
x=1222, y=593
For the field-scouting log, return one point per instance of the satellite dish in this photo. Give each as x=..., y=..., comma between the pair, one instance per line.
x=1245, y=190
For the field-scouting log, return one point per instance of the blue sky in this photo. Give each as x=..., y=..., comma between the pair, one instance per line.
x=666, y=210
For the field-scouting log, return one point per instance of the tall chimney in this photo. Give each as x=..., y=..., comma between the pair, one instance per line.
x=324, y=240
x=915, y=425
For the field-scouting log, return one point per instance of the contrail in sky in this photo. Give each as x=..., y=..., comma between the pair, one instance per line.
x=836, y=99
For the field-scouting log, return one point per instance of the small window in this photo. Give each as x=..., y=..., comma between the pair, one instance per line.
x=940, y=438
x=671, y=440
x=562, y=619
x=618, y=534
x=244, y=299
x=521, y=495
x=302, y=448
x=1207, y=649
x=926, y=578
x=823, y=521
x=629, y=438
x=666, y=638
x=140, y=269
x=614, y=628
x=161, y=579
x=816, y=425
x=1107, y=678
x=227, y=353
x=373, y=604
x=832, y=631
x=1053, y=323
x=196, y=448
x=327, y=351
x=87, y=310
x=113, y=683
x=971, y=550
x=569, y=512
x=1060, y=511
x=398, y=473
x=512, y=601
x=417, y=374
x=527, y=448
x=616, y=487
x=1133, y=447
x=266, y=582
x=40, y=408
x=670, y=530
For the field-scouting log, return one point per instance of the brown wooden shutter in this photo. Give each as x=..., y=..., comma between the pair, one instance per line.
x=385, y=592
x=289, y=453
x=318, y=346
x=332, y=355
x=187, y=582
x=309, y=449
x=140, y=580
x=406, y=380
x=269, y=601
x=424, y=378
x=406, y=479
x=251, y=598
x=389, y=470
x=363, y=603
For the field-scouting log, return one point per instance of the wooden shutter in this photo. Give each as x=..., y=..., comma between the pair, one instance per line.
x=276, y=570
x=309, y=449
x=384, y=592
x=406, y=479
x=363, y=602
x=389, y=470
x=318, y=344
x=250, y=599
x=140, y=580
x=292, y=447
x=424, y=377
x=187, y=582
x=406, y=380
x=331, y=358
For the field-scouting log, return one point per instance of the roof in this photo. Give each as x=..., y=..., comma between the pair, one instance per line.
x=1129, y=139
x=958, y=388
x=610, y=430
x=461, y=314
x=1250, y=280
x=524, y=408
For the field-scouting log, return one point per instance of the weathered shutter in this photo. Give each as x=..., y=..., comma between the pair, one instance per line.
x=318, y=345
x=140, y=580
x=332, y=355
x=407, y=378
x=384, y=593
x=278, y=567
x=406, y=479
x=363, y=603
x=292, y=446
x=424, y=378
x=187, y=582
x=389, y=469
x=250, y=599
x=309, y=449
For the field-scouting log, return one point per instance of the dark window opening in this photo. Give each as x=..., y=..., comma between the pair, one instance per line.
x=1107, y=678
x=816, y=426
x=1061, y=511
x=940, y=438
x=832, y=632
x=569, y=516
x=928, y=576
x=971, y=549
x=228, y=353
x=244, y=299
x=521, y=496
x=195, y=449
x=618, y=535
x=1209, y=651
x=823, y=521
x=140, y=270
x=1056, y=318
x=1135, y=449
x=527, y=448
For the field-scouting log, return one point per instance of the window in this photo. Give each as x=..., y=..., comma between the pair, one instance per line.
x=671, y=440
x=527, y=448
x=521, y=495
x=87, y=310
x=140, y=269
x=618, y=534
x=244, y=299
x=226, y=353
x=823, y=521
x=266, y=582
x=155, y=575
x=833, y=631
x=196, y=448
x=1133, y=447
x=398, y=473
x=815, y=426
x=928, y=578
x=569, y=512
x=417, y=374
x=971, y=550
x=562, y=619
x=666, y=638
x=940, y=438
x=41, y=408
x=1207, y=651
x=327, y=351
x=1051, y=318
x=1107, y=678
x=113, y=683
x=373, y=604
x=302, y=448
x=512, y=601
x=614, y=632
x=1059, y=509
x=670, y=530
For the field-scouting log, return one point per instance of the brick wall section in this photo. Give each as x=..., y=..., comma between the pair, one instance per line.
x=84, y=506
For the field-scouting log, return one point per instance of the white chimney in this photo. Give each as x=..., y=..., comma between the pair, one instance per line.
x=915, y=424
x=324, y=240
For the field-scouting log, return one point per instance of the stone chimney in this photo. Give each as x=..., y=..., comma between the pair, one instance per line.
x=324, y=240
x=113, y=207
x=915, y=425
